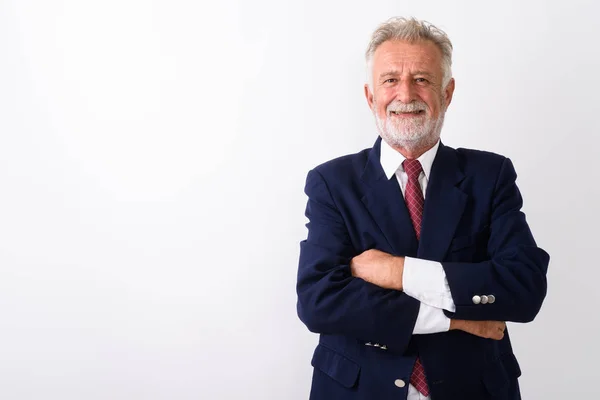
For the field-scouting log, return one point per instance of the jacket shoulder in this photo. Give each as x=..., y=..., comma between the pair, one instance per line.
x=344, y=166
x=479, y=162
x=479, y=156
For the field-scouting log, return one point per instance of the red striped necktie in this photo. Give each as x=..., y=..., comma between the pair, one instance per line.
x=413, y=197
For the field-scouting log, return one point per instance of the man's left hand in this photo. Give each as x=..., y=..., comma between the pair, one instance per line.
x=379, y=268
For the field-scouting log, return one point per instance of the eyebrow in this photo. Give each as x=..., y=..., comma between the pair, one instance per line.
x=388, y=73
x=424, y=73
x=395, y=73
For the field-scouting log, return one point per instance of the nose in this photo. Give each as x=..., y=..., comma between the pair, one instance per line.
x=406, y=92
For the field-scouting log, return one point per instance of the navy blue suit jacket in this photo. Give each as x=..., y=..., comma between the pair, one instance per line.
x=472, y=224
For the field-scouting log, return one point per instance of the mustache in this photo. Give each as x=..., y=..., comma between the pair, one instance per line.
x=398, y=106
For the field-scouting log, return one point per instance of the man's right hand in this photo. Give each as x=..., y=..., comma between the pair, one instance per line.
x=485, y=329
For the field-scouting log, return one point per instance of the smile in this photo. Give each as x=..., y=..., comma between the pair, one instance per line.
x=407, y=113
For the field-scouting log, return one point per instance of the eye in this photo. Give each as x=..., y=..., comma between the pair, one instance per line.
x=390, y=80
x=421, y=80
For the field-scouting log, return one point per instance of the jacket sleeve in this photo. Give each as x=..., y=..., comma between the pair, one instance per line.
x=330, y=299
x=515, y=274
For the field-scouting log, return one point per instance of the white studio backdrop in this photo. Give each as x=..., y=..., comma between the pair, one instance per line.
x=152, y=165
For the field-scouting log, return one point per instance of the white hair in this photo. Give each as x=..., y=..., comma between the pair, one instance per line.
x=411, y=30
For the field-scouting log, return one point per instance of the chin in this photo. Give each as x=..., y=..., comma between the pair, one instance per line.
x=414, y=135
x=409, y=142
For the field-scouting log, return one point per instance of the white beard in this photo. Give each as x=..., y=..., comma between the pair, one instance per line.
x=409, y=133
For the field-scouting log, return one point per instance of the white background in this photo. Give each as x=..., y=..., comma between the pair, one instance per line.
x=152, y=165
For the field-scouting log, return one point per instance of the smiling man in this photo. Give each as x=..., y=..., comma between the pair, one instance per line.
x=417, y=253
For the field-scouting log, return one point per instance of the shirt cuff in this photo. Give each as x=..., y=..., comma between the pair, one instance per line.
x=426, y=281
x=431, y=320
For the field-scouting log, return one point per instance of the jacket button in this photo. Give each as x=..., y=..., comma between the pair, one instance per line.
x=491, y=299
x=400, y=383
x=484, y=299
x=476, y=299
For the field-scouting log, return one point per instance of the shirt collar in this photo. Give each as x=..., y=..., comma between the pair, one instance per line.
x=391, y=159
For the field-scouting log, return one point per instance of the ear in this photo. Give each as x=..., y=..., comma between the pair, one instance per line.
x=369, y=96
x=449, y=92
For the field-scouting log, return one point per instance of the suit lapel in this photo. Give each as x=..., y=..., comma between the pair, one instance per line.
x=444, y=205
x=384, y=201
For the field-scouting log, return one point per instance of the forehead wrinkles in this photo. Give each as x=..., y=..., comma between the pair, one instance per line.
x=404, y=57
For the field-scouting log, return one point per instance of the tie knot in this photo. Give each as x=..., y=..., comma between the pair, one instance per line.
x=412, y=168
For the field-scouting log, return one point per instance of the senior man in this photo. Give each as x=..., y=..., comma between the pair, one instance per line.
x=417, y=253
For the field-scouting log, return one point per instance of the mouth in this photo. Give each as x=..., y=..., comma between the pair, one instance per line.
x=407, y=113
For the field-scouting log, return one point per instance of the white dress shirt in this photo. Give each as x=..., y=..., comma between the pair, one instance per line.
x=423, y=280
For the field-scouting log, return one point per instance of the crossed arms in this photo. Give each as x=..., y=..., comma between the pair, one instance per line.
x=361, y=295
x=386, y=271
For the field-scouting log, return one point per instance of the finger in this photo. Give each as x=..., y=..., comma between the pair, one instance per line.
x=500, y=334
x=500, y=326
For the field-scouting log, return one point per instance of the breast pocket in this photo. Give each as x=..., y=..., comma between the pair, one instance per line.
x=469, y=248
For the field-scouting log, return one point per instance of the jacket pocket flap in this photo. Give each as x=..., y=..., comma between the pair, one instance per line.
x=336, y=366
x=511, y=365
x=497, y=375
